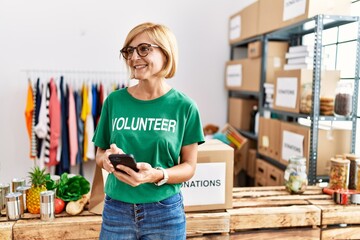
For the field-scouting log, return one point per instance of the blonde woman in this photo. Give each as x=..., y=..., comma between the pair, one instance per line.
x=161, y=128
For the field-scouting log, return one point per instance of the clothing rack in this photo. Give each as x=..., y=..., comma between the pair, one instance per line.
x=78, y=75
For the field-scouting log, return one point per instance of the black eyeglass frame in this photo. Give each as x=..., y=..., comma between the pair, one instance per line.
x=124, y=51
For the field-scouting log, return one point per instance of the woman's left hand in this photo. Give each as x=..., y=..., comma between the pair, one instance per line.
x=145, y=174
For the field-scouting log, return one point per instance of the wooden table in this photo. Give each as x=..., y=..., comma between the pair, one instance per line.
x=257, y=213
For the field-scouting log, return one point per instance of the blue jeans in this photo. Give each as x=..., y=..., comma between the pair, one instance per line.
x=164, y=220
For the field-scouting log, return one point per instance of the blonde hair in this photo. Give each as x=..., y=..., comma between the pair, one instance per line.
x=164, y=38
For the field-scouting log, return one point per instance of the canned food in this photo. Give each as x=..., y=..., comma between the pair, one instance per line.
x=4, y=189
x=47, y=206
x=14, y=206
x=17, y=182
x=23, y=190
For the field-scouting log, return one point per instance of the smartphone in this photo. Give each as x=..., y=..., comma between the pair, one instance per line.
x=124, y=159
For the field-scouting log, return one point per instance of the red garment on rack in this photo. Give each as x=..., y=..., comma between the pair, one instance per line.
x=55, y=123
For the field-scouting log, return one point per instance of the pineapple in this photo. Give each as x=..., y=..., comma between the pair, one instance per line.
x=38, y=185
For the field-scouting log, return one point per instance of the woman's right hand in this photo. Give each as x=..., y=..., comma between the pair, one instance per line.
x=102, y=156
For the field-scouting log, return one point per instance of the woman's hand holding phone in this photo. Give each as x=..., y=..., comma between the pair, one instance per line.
x=123, y=159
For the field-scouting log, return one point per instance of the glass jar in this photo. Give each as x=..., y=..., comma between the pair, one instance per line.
x=339, y=173
x=306, y=98
x=295, y=175
x=353, y=170
x=343, y=99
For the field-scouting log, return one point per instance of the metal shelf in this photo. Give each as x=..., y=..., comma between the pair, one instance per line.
x=293, y=34
x=308, y=116
x=244, y=94
x=310, y=26
x=248, y=134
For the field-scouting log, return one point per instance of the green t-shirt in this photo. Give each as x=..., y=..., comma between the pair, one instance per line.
x=153, y=131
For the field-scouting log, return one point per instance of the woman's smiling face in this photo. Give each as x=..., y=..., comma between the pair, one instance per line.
x=146, y=68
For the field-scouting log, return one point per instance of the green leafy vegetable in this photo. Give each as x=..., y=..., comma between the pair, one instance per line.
x=50, y=184
x=72, y=189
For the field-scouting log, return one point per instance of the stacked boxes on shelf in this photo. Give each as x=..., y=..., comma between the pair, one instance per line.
x=299, y=57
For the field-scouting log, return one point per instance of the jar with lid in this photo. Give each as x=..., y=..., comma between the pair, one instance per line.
x=295, y=176
x=339, y=173
x=343, y=99
x=353, y=171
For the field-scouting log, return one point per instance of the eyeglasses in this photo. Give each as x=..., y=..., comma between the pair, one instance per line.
x=143, y=49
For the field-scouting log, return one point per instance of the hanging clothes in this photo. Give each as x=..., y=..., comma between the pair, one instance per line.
x=90, y=149
x=42, y=128
x=60, y=121
x=84, y=112
x=55, y=121
x=30, y=120
x=38, y=98
x=72, y=128
x=80, y=130
x=64, y=164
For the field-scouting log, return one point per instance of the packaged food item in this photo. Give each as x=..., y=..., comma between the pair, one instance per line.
x=295, y=175
x=4, y=189
x=326, y=102
x=14, y=206
x=353, y=170
x=326, y=106
x=47, y=207
x=343, y=99
x=306, y=98
x=339, y=173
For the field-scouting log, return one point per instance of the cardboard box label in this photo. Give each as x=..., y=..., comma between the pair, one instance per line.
x=235, y=28
x=292, y=145
x=293, y=8
x=207, y=186
x=276, y=62
x=234, y=75
x=286, y=92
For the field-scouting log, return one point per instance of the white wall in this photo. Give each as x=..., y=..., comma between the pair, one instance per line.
x=87, y=35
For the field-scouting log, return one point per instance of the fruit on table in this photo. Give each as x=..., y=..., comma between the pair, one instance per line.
x=38, y=184
x=59, y=205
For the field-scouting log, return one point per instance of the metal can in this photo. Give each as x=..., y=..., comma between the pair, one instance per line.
x=23, y=190
x=4, y=189
x=17, y=182
x=47, y=206
x=14, y=206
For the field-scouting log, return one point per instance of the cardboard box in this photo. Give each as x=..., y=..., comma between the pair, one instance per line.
x=295, y=141
x=211, y=186
x=274, y=49
x=274, y=176
x=260, y=172
x=243, y=75
x=286, y=12
x=240, y=158
x=296, y=11
x=287, y=87
x=251, y=164
x=268, y=175
x=254, y=49
x=244, y=24
x=270, y=20
x=268, y=137
x=239, y=113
